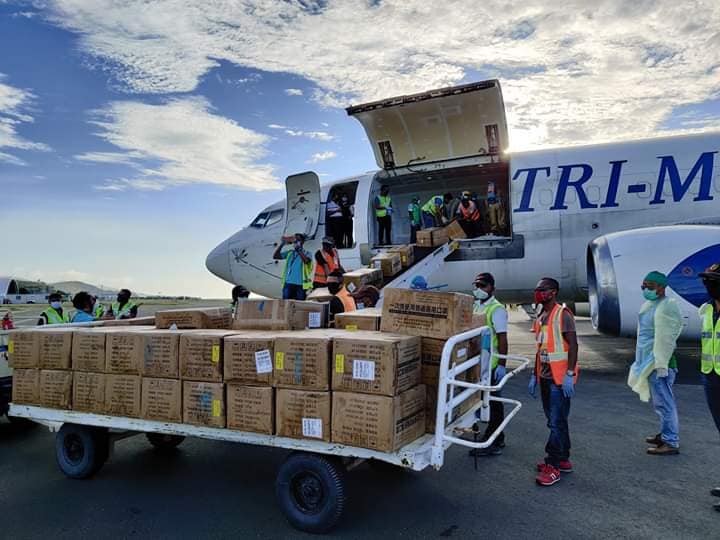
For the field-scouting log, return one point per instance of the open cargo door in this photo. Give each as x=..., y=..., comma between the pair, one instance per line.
x=438, y=125
x=303, y=204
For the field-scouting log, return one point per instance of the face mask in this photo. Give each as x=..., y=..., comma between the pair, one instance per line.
x=298, y=245
x=360, y=305
x=713, y=289
x=334, y=288
x=650, y=294
x=56, y=305
x=480, y=294
x=541, y=297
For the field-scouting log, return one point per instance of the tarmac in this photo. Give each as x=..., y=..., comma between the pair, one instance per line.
x=218, y=490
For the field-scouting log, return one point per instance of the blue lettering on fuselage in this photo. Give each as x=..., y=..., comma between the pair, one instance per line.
x=576, y=176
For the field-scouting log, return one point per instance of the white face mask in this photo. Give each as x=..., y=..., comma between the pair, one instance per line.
x=56, y=305
x=480, y=294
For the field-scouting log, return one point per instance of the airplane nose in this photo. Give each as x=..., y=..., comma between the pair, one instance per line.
x=218, y=262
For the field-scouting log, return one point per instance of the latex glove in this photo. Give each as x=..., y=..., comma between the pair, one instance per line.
x=532, y=386
x=568, y=386
x=500, y=372
x=661, y=373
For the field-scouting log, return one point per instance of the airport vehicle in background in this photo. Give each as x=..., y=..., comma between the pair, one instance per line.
x=23, y=291
x=596, y=217
x=310, y=487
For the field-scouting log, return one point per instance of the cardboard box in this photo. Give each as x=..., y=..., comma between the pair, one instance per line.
x=23, y=350
x=454, y=231
x=194, y=318
x=380, y=423
x=124, y=353
x=362, y=276
x=388, y=263
x=376, y=363
x=321, y=294
x=431, y=354
x=161, y=354
x=360, y=319
x=201, y=355
x=431, y=407
x=161, y=400
x=248, y=358
x=251, y=408
x=271, y=314
x=407, y=254
x=88, y=392
x=425, y=313
x=148, y=321
x=123, y=395
x=26, y=386
x=204, y=404
x=55, y=348
x=56, y=388
x=432, y=237
x=88, y=350
x=302, y=360
x=303, y=415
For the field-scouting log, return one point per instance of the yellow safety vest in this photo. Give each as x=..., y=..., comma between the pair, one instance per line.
x=306, y=272
x=53, y=317
x=385, y=202
x=124, y=312
x=710, y=339
x=488, y=308
x=430, y=207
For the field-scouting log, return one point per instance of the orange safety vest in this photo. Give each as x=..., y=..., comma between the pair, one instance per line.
x=333, y=263
x=347, y=300
x=551, y=346
x=471, y=212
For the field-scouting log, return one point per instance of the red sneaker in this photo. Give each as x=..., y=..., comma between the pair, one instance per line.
x=548, y=476
x=565, y=466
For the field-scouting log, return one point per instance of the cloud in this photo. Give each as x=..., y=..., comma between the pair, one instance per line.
x=180, y=141
x=16, y=106
x=277, y=126
x=570, y=73
x=293, y=92
x=319, y=135
x=322, y=156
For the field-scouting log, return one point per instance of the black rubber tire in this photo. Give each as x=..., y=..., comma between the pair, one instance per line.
x=162, y=441
x=310, y=490
x=81, y=451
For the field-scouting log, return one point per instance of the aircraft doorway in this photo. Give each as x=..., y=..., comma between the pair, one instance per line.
x=340, y=214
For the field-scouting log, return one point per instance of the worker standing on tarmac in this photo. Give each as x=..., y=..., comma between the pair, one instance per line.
x=124, y=308
x=83, y=303
x=432, y=212
x=710, y=358
x=556, y=372
x=7, y=321
x=296, y=279
x=327, y=260
x=98, y=310
x=238, y=292
x=383, y=214
x=54, y=314
x=496, y=318
x=655, y=368
x=415, y=219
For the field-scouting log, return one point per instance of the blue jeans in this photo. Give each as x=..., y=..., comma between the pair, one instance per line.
x=428, y=220
x=557, y=410
x=663, y=401
x=711, y=381
x=293, y=292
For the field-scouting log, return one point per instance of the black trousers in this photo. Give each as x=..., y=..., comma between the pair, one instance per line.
x=384, y=227
x=497, y=415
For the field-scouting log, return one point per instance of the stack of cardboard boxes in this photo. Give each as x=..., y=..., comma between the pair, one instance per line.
x=275, y=369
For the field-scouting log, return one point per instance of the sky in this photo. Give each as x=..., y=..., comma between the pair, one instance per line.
x=137, y=135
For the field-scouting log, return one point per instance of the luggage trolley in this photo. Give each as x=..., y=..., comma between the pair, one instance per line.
x=310, y=486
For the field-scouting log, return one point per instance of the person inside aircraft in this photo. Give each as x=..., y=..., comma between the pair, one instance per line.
x=327, y=260
x=415, y=219
x=495, y=210
x=366, y=296
x=296, y=277
x=383, y=214
x=468, y=216
x=341, y=301
x=450, y=208
x=346, y=228
x=83, y=303
x=334, y=221
x=432, y=212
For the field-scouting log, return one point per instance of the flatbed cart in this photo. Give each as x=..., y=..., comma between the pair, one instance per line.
x=309, y=487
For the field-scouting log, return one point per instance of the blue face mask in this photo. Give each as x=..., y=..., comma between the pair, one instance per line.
x=650, y=294
x=56, y=305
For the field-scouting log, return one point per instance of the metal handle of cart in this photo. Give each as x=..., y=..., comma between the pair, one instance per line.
x=448, y=380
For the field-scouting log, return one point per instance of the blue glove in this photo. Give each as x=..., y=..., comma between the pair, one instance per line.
x=532, y=386
x=568, y=386
x=500, y=372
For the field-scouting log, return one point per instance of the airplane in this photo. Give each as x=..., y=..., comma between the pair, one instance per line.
x=596, y=217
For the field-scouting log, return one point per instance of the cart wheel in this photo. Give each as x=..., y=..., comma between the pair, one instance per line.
x=311, y=492
x=164, y=442
x=81, y=451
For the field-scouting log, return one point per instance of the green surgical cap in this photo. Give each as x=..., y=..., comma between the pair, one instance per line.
x=657, y=277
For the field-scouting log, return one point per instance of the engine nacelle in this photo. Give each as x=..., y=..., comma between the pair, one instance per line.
x=618, y=262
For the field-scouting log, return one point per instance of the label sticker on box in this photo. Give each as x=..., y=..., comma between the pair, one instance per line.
x=364, y=370
x=462, y=352
x=377, y=264
x=314, y=319
x=215, y=355
x=279, y=360
x=312, y=427
x=216, y=408
x=263, y=362
x=11, y=346
x=339, y=363
x=351, y=327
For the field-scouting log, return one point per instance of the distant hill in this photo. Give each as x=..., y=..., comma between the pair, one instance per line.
x=74, y=287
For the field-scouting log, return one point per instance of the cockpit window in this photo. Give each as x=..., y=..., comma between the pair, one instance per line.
x=274, y=217
x=259, y=222
x=266, y=219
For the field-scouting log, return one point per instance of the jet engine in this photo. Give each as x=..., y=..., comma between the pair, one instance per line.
x=618, y=262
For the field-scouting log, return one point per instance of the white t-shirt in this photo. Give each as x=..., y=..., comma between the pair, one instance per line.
x=499, y=318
